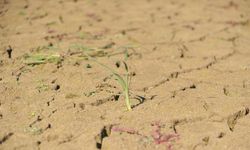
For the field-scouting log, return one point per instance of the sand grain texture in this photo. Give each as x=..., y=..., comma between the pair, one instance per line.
x=190, y=62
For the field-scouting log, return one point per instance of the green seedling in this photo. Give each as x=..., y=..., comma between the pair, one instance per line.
x=37, y=59
x=103, y=52
x=124, y=82
x=90, y=93
x=33, y=130
x=125, y=51
x=42, y=86
x=93, y=52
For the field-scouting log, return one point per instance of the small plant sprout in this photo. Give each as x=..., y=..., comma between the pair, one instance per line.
x=123, y=81
x=37, y=59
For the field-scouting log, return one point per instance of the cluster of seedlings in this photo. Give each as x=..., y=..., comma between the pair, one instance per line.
x=46, y=54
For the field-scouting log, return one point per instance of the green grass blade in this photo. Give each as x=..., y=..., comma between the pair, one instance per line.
x=119, y=79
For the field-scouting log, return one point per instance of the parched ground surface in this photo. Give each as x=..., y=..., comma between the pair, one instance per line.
x=190, y=74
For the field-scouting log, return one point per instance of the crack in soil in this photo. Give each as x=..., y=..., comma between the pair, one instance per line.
x=232, y=119
x=105, y=132
x=6, y=137
x=178, y=122
x=193, y=86
x=177, y=73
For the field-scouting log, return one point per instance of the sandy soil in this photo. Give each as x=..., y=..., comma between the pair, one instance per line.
x=189, y=62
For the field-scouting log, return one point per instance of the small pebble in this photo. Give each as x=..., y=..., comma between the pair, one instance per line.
x=56, y=87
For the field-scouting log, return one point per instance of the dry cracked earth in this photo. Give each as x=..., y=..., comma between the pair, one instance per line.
x=189, y=64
